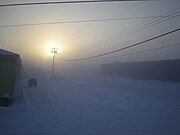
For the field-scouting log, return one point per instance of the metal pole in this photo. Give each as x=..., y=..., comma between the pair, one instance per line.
x=54, y=51
x=53, y=65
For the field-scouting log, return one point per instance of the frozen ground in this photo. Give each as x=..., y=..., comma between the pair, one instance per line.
x=98, y=106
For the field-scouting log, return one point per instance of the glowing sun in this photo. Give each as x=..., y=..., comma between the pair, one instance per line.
x=49, y=46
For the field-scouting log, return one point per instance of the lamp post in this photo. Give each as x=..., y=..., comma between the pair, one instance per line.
x=54, y=52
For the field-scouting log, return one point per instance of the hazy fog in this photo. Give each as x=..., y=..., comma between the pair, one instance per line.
x=77, y=40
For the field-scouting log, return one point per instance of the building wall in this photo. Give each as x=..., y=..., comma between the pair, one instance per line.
x=18, y=82
x=165, y=70
x=7, y=76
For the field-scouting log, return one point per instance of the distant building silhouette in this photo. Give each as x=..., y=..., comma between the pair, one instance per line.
x=164, y=70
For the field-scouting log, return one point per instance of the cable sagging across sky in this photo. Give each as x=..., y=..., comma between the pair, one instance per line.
x=123, y=48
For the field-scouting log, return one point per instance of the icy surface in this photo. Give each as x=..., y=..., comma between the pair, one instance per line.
x=98, y=106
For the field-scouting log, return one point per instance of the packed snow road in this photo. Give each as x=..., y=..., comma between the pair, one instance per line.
x=100, y=106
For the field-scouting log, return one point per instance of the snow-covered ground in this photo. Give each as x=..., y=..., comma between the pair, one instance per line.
x=95, y=106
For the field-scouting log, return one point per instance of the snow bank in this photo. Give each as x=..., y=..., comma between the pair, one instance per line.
x=95, y=106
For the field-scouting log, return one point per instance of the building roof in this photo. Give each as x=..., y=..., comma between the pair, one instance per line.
x=4, y=54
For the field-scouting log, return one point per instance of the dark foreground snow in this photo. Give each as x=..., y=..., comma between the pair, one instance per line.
x=102, y=106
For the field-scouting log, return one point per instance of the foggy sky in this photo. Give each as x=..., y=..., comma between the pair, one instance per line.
x=77, y=39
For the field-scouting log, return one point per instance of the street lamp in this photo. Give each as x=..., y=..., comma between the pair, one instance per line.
x=54, y=52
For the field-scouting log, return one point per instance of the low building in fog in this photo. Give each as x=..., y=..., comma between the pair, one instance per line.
x=164, y=70
x=10, y=77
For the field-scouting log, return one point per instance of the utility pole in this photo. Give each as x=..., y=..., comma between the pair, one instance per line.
x=54, y=52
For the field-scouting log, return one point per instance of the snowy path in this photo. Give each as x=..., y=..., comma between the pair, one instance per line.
x=104, y=106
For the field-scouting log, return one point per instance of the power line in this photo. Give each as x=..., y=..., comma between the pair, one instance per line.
x=147, y=50
x=56, y=2
x=90, y=27
x=170, y=15
x=137, y=52
x=82, y=21
x=129, y=32
x=120, y=13
x=136, y=30
x=124, y=48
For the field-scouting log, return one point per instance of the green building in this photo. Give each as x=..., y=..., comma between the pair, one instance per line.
x=10, y=77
